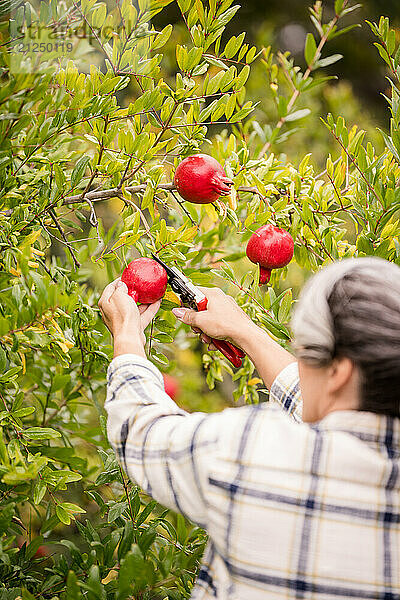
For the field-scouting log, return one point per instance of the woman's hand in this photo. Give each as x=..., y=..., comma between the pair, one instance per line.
x=125, y=320
x=223, y=318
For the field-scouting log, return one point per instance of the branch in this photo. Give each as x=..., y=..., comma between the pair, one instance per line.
x=136, y=189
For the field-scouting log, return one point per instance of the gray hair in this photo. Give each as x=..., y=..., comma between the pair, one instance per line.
x=352, y=308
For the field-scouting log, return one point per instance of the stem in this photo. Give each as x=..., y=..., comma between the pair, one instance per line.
x=46, y=405
x=125, y=485
x=64, y=237
x=371, y=189
x=336, y=191
x=96, y=36
x=134, y=189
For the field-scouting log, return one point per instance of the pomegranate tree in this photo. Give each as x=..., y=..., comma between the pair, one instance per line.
x=86, y=187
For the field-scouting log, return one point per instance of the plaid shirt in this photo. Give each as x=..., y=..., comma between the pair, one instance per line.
x=292, y=510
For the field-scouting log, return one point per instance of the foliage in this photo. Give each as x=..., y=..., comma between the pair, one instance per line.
x=74, y=145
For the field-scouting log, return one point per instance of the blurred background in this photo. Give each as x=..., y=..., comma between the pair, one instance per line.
x=285, y=23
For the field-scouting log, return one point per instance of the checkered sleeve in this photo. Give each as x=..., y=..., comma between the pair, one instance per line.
x=162, y=448
x=286, y=391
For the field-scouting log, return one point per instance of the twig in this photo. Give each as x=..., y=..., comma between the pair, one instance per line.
x=64, y=237
x=370, y=187
x=187, y=213
x=135, y=189
x=93, y=220
x=112, y=193
x=336, y=191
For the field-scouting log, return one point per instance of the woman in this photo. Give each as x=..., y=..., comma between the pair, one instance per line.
x=299, y=503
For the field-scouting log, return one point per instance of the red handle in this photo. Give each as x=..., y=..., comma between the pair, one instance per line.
x=229, y=350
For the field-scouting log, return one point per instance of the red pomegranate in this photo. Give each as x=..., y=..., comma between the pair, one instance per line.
x=200, y=179
x=146, y=280
x=171, y=386
x=271, y=248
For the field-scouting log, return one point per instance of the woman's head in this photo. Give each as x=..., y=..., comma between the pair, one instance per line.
x=349, y=314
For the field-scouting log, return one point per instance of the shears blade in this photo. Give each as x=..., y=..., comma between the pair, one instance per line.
x=170, y=272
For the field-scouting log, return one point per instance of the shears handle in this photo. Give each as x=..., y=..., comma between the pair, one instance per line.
x=229, y=350
x=232, y=352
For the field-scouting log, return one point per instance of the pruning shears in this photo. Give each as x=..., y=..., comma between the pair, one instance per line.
x=192, y=297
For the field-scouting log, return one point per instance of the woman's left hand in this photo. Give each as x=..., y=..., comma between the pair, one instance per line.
x=121, y=314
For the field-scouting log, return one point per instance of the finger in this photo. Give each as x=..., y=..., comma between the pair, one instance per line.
x=109, y=290
x=148, y=315
x=120, y=287
x=102, y=314
x=143, y=307
x=210, y=292
x=186, y=315
x=104, y=318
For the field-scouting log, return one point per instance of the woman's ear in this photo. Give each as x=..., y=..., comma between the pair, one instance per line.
x=341, y=375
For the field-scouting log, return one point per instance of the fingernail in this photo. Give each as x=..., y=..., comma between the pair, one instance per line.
x=121, y=283
x=179, y=312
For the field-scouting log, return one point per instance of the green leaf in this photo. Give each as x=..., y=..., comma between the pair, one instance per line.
x=94, y=586
x=59, y=382
x=9, y=6
x=73, y=592
x=329, y=60
x=145, y=512
x=79, y=170
x=135, y=573
x=310, y=49
x=126, y=540
x=391, y=42
x=298, y=114
x=285, y=307
x=108, y=477
x=39, y=491
x=10, y=375
x=3, y=360
x=162, y=38
x=338, y=6
x=41, y=433
x=73, y=508
x=383, y=52
x=6, y=514
x=241, y=79
x=146, y=539
x=243, y=113
x=116, y=511
x=99, y=15
x=364, y=245
x=343, y=30
x=63, y=515
x=23, y=412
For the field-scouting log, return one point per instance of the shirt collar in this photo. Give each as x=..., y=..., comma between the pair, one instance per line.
x=379, y=431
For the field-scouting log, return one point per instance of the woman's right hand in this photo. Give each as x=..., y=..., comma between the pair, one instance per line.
x=223, y=318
